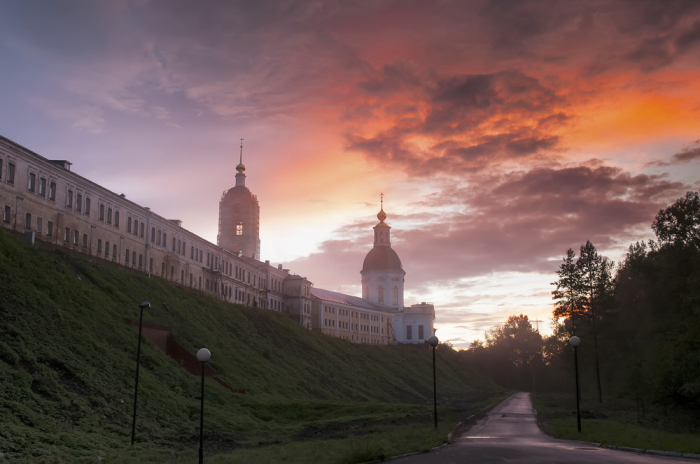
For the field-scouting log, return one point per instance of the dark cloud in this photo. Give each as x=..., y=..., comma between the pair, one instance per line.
x=686, y=155
x=474, y=120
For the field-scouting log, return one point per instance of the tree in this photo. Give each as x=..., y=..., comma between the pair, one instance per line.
x=679, y=224
x=517, y=347
x=596, y=288
x=568, y=292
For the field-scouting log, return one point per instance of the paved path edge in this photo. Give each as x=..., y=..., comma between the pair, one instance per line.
x=449, y=435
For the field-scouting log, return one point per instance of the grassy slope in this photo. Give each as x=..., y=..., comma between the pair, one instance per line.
x=67, y=364
x=615, y=422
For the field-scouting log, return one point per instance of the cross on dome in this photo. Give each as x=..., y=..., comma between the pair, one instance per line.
x=381, y=215
x=241, y=168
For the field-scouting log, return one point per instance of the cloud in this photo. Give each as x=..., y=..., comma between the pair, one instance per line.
x=686, y=155
x=510, y=222
x=473, y=121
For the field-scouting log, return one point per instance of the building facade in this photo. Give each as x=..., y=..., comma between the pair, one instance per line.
x=52, y=203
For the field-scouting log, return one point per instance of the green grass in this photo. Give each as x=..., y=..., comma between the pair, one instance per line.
x=615, y=422
x=67, y=363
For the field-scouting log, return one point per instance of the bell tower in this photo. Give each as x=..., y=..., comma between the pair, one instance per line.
x=239, y=217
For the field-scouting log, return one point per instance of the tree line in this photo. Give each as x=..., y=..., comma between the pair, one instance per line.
x=639, y=321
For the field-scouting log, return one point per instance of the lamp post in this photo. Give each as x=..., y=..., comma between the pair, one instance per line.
x=575, y=342
x=203, y=355
x=142, y=305
x=433, y=341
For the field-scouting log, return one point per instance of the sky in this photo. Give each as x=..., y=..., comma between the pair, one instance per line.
x=501, y=133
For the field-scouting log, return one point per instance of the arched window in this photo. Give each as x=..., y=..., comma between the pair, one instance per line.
x=239, y=228
x=380, y=294
x=396, y=295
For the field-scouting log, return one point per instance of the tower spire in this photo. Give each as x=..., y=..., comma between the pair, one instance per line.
x=381, y=215
x=241, y=168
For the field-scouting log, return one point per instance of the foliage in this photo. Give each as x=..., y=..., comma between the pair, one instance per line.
x=67, y=362
x=679, y=224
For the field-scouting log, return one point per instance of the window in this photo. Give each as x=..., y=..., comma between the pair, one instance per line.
x=0, y=168
x=182, y=276
x=69, y=198
x=239, y=228
x=99, y=245
x=158, y=238
x=78, y=202
x=28, y=221
x=127, y=255
x=396, y=295
x=101, y=215
x=172, y=272
x=76, y=237
x=140, y=260
x=150, y=264
x=409, y=332
x=380, y=294
x=66, y=234
x=191, y=252
x=49, y=228
x=109, y=215
x=128, y=225
x=114, y=251
x=153, y=234
x=179, y=245
x=184, y=248
x=136, y=227
x=420, y=332
x=32, y=182
x=133, y=258
x=141, y=234
x=165, y=239
x=174, y=243
x=42, y=187
x=87, y=206
x=84, y=240
x=201, y=257
x=116, y=219
x=39, y=223
x=52, y=191
x=6, y=214
x=107, y=249
x=11, y=173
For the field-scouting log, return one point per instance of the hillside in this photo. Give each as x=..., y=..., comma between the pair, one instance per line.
x=67, y=360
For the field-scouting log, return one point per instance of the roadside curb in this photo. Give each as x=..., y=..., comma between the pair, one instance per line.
x=672, y=454
x=449, y=437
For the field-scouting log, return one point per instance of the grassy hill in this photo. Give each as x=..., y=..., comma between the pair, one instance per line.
x=67, y=363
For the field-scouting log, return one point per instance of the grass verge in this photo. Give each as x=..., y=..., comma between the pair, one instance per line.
x=614, y=423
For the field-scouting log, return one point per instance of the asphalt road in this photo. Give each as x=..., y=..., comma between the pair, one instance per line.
x=509, y=434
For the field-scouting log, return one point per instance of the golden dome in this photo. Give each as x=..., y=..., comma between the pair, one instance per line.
x=381, y=215
x=240, y=167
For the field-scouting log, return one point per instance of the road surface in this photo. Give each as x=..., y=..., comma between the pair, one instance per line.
x=509, y=434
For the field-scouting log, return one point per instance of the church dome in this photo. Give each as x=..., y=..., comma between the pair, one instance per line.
x=381, y=215
x=238, y=193
x=382, y=257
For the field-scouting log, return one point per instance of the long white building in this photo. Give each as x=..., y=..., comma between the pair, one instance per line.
x=47, y=201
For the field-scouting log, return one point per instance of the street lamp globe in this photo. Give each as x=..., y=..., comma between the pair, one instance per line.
x=433, y=341
x=574, y=341
x=203, y=355
x=144, y=304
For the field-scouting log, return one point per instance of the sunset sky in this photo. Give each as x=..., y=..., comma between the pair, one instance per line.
x=501, y=132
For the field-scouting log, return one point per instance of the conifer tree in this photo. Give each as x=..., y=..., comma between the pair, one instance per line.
x=567, y=295
x=595, y=284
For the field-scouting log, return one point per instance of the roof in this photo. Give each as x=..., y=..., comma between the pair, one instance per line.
x=381, y=257
x=238, y=192
x=341, y=298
